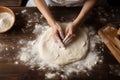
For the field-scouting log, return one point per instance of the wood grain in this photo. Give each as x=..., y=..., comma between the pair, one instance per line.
x=10, y=2
x=111, y=46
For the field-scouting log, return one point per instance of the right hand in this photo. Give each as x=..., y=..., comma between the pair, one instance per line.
x=58, y=35
x=69, y=33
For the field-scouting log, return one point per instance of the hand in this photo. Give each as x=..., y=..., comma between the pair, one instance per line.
x=58, y=35
x=69, y=33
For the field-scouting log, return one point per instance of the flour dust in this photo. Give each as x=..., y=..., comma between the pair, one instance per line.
x=6, y=19
x=29, y=55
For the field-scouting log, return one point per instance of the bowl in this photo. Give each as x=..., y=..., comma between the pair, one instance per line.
x=7, y=19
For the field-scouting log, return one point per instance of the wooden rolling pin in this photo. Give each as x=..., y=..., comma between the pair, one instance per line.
x=111, y=46
x=112, y=35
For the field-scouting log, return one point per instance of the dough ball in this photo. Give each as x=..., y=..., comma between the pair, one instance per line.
x=51, y=53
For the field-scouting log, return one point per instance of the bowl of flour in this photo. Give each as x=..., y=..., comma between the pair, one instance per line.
x=7, y=19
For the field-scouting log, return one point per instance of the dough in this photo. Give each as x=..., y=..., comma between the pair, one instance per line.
x=51, y=53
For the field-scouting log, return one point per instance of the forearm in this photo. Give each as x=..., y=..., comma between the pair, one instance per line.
x=42, y=6
x=84, y=11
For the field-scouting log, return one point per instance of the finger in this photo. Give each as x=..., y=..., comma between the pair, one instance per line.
x=58, y=41
x=61, y=34
x=69, y=41
x=66, y=38
x=60, y=44
x=66, y=31
x=69, y=35
x=69, y=38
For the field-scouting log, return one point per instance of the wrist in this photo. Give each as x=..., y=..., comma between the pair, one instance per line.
x=75, y=24
x=52, y=23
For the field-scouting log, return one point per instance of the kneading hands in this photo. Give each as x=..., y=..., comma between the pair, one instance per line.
x=60, y=37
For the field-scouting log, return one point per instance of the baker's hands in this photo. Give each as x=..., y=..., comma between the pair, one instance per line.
x=58, y=35
x=69, y=33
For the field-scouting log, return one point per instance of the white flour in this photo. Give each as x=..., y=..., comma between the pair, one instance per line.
x=29, y=56
x=5, y=20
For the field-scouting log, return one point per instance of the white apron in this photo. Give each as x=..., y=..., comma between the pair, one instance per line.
x=59, y=3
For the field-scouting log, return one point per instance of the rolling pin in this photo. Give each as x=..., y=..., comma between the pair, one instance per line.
x=114, y=50
x=111, y=34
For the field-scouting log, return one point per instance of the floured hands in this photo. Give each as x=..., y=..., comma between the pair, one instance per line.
x=58, y=35
x=64, y=37
x=69, y=33
x=57, y=31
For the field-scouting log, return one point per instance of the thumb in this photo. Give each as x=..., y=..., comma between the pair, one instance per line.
x=61, y=33
x=66, y=31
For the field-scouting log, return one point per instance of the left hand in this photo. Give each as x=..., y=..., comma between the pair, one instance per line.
x=69, y=33
x=58, y=35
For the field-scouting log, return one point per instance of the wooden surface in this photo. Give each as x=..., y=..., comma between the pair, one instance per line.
x=109, y=36
x=10, y=2
x=9, y=45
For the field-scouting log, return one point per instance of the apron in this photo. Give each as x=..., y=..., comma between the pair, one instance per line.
x=59, y=3
x=69, y=3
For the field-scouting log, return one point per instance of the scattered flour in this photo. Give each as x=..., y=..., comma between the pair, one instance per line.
x=29, y=55
x=5, y=20
x=50, y=75
x=24, y=11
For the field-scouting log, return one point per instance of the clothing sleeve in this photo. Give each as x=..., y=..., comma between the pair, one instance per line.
x=69, y=3
x=31, y=3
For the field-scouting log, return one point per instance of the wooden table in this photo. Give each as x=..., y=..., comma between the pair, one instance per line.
x=9, y=45
x=10, y=2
